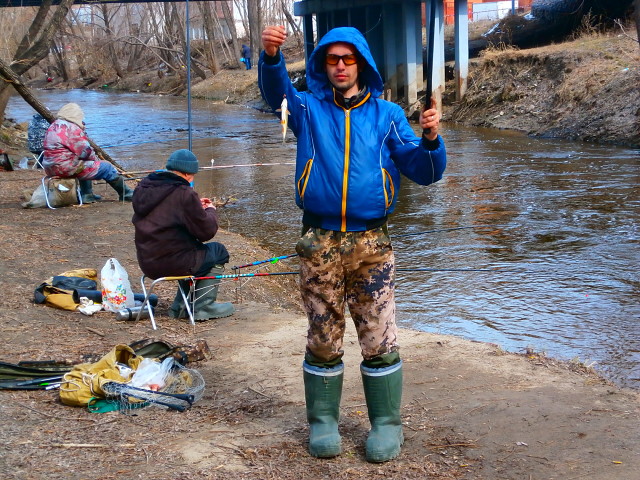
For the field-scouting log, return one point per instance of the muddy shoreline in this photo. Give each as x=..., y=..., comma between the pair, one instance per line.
x=470, y=410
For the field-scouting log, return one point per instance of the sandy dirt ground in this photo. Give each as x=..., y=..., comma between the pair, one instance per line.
x=469, y=410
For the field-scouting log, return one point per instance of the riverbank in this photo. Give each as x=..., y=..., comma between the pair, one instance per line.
x=584, y=89
x=470, y=410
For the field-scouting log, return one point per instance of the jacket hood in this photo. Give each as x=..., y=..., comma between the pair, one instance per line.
x=71, y=112
x=153, y=189
x=317, y=80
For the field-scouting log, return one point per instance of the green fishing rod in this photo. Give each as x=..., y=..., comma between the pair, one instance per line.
x=234, y=276
x=282, y=257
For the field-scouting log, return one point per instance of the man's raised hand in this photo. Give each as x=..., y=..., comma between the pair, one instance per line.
x=272, y=38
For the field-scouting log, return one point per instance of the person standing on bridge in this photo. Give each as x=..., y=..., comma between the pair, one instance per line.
x=352, y=148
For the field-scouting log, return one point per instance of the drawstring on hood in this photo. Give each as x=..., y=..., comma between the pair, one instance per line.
x=317, y=80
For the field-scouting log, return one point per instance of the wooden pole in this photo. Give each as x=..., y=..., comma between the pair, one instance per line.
x=25, y=92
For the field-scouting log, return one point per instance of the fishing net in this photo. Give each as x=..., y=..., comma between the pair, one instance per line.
x=182, y=387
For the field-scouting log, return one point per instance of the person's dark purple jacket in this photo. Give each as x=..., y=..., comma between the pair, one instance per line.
x=170, y=226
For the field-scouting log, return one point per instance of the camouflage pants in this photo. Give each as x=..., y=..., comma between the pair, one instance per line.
x=353, y=267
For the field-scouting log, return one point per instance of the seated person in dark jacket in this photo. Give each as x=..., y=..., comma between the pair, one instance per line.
x=171, y=223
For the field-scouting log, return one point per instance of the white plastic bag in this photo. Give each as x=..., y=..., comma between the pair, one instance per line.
x=116, y=289
x=151, y=374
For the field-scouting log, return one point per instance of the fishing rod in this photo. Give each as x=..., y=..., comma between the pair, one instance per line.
x=430, y=50
x=420, y=269
x=234, y=276
x=268, y=260
x=447, y=230
x=216, y=167
x=282, y=257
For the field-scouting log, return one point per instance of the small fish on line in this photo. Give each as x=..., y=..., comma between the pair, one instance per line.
x=284, y=116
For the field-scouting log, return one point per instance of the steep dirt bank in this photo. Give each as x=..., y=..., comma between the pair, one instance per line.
x=586, y=89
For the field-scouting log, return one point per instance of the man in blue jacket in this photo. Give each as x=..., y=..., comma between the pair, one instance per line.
x=352, y=148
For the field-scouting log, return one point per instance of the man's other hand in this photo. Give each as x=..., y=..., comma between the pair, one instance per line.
x=430, y=119
x=207, y=203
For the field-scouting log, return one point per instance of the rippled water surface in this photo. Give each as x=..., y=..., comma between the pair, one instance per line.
x=555, y=223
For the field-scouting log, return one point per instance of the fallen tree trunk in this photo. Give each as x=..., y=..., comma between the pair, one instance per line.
x=25, y=92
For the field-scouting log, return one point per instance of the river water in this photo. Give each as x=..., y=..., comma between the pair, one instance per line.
x=554, y=222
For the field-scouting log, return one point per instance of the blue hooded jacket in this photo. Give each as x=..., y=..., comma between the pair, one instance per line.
x=349, y=160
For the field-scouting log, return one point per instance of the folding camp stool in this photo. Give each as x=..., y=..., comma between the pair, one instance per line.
x=37, y=160
x=46, y=180
x=185, y=296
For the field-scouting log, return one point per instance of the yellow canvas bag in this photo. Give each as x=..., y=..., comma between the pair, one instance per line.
x=85, y=380
x=54, y=296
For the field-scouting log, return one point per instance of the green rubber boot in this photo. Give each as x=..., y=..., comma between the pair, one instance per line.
x=205, y=306
x=125, y=194
x=86, y=191
x=383, y=392
x=322, y=391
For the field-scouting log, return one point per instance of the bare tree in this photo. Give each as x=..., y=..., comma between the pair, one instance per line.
x=35, y=44
x=135, y=53
x=178, y=23
x=60, y=56
x=294, y=26
x=106, y=19
x=231, y=25
x=241, y=6
x=209, y=29
x=254, y=11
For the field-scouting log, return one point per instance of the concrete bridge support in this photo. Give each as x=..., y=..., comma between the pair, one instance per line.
x=461, y=37
x=394, y=31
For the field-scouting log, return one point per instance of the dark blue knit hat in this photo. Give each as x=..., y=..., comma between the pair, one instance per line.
x=182, y=161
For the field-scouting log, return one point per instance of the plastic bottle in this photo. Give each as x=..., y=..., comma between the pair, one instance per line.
x=132, y=313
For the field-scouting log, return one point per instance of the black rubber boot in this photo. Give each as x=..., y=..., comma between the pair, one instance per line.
x=383, y=392
x=86, y=190
x=322, y=391
x=125, y=194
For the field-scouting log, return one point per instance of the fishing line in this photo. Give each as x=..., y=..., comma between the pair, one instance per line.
x=377, y=23
x=234, y=276
x=494, y=270
x=282, y=257
x=446, y=230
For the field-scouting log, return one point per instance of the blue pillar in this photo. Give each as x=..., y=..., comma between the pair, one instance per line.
x=307, y=28
x=391, y=42
x=374, y=34
x=409, y=51
x=419, y=47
